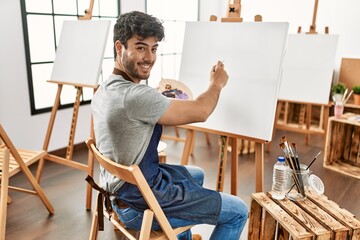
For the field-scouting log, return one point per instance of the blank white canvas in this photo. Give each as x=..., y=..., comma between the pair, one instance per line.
x=252, y=54
x=308, y=68
x=80, y=52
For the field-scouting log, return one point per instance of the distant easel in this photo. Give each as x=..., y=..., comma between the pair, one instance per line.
x=305, y=114
x=67, y=160
x=88, y=12
x=226, y=139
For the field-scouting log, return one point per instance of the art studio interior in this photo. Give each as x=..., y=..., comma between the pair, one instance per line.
x=292, y=97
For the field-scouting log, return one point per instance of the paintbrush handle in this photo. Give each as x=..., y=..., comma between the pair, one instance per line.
x=313, y=160
x=347, y=98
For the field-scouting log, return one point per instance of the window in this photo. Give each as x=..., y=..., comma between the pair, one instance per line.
x=42, y=23
x=174, y=14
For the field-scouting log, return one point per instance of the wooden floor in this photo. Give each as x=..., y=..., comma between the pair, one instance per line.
x=65, y=188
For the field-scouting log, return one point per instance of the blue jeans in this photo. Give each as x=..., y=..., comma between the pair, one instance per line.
x=231, y=221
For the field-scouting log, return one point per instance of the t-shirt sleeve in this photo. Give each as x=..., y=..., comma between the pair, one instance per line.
x=145, y=104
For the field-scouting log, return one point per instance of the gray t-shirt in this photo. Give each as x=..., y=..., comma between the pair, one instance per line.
x=124, y=116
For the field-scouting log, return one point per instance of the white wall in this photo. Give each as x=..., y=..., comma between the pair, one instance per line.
x=29, y=131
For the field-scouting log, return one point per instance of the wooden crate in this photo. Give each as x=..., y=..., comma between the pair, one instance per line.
x=315, y=217
x=342, y=147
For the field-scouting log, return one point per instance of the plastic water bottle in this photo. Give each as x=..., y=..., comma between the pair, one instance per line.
x=280, y=177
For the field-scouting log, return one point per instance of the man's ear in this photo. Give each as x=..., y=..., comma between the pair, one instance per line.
x=118, y=47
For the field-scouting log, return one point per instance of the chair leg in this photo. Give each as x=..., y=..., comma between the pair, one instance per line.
x=4, y=193
x=177, y=133
x=39, y=169
x=90, y=171
x=37, y=187
x=95, y=224
x=146, y=225
x=9, y=200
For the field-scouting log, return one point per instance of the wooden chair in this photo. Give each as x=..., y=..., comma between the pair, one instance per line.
x=133, y=175
x=13, y=161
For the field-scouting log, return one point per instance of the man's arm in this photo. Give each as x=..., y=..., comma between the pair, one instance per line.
x=183, y=112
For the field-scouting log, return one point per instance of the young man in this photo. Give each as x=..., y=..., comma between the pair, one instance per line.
x=127, y=120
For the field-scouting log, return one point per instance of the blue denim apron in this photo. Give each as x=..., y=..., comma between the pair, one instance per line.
x=178, y=194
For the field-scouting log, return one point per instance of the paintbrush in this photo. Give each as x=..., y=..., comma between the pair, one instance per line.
x=313, y=160
x=298, y=169
x=344, y=95
x=294, y=164
x=290, y=153
x=296, y=156
x=291, y=165
x=347, y=98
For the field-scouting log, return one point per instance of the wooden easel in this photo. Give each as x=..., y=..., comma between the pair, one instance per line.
x=225, y=138
x=234, y=12
x=88, y=12
x=312, y=29
x=232, y=16
x=305, y=115
x=67, y=160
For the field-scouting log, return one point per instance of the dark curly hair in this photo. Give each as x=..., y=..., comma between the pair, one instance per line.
x=137, y=23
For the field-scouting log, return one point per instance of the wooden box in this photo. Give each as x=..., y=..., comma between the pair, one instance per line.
x=315, y=217
x=342, y=147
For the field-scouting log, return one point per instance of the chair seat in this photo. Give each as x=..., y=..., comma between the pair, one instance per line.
x=28, y=156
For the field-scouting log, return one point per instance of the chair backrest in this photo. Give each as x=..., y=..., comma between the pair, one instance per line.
x=120, y=171
x=4, y=139
x=132, y=174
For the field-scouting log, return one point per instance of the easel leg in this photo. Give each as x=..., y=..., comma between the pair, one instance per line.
x=308, y=123
x=192, y=145
x=277, y=116
x=189, y=138
x=49, y=131
x=70, y=148
x=245, y=149
x=234, y=167
x=222, y=163
x=252, y=147
x=259, y=166
x=321, y=120
x=208, y=142
x=326, y=119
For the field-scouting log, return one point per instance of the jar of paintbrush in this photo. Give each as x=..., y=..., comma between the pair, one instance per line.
x=298, y=183
x=299, y=178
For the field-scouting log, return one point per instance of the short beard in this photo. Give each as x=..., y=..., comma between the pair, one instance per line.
x=131, y=68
